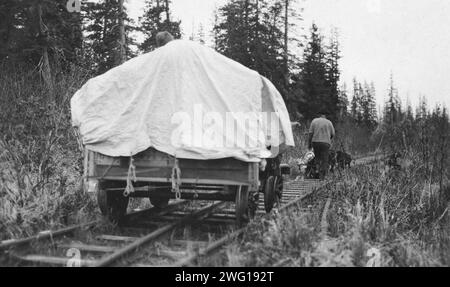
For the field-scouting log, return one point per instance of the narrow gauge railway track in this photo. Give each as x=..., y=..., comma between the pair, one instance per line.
x=152, y=226
x=294, y=194
x=64, y=244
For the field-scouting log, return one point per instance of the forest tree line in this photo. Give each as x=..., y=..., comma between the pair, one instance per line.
x=44, y=36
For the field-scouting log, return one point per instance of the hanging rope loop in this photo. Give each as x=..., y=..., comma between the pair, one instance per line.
x=176, y=179
x=130, y=176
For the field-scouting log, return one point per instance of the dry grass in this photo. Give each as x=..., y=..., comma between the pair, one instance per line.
x=40, y=160
x=376, y=217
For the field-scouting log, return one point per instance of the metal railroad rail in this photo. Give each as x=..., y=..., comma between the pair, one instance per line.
x=113, y=248
x=156, y=224
x=51, y=235
x=113, y=252
x=297, y=192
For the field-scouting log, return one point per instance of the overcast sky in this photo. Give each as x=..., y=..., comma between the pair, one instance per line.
x=411, y=38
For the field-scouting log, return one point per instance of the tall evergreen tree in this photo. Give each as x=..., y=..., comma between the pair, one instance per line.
x=332, y=58
x=236, y=25
x=392, y=112
x=291, y=17
x=41, y=33
x=422, y=109
x=372, y=106
x=29, y=26
x=122, y=54
x=368, y=106
x=409, y=111
x=108, y=40
x=317, y=80
x=343, y=101
x=253, y=33
x=313, y=76
x=356, y=102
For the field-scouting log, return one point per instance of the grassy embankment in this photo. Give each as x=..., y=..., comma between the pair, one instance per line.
x=376, y=216
x=40, y=157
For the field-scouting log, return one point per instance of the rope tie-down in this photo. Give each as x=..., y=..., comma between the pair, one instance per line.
x=130, y=176
x=176, y=179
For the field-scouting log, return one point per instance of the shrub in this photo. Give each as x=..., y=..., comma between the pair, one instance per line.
x=40, y=158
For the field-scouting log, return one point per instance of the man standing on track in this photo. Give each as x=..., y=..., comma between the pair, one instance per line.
x=321, y=132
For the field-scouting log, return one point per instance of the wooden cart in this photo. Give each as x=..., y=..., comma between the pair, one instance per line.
x=161, y=177
x=272, y=181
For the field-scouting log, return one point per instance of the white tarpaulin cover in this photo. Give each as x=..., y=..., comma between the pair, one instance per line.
x=183, y=99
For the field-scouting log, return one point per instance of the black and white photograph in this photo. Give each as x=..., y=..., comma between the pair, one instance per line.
x=241, y=137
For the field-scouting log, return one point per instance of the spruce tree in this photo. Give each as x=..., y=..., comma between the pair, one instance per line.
x=316, y=85
x=333, y=74
x=343, y=102
x=313, y=78
x=252, y=33
x=104, y=37
x=355, y=105
x=40, y=33
x=368, y=107
x=392, y=112
x=29, y=27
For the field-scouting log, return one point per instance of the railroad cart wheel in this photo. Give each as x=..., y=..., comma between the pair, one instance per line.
x=278, y=188
x=160, y=201
x=242, y=205
x=269, y=194
x=113, y=205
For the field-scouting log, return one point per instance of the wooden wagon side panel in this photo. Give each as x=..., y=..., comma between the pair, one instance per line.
x=155, y=166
